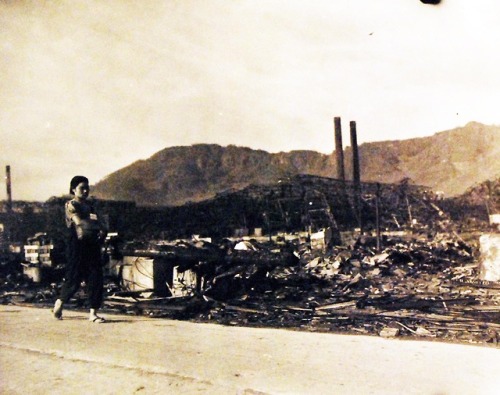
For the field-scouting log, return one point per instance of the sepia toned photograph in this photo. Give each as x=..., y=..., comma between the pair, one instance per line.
x=250, y=197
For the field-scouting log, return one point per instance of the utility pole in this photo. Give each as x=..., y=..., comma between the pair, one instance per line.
x=9, y=188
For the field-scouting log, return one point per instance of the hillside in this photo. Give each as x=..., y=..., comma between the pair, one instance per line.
x=449, y=161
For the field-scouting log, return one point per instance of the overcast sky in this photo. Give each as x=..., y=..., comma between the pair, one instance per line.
x=88, y=87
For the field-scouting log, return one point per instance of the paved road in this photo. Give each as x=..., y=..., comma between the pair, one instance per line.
x=138, y=355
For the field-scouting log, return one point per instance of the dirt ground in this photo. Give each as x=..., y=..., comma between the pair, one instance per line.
x=131, y=354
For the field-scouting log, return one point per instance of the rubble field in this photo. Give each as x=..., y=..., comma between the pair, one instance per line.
x=410, y=286
x=413, y=272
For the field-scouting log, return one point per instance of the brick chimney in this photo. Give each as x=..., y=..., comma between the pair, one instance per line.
x=339, y=151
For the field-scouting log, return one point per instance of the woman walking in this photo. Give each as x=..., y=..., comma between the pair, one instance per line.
x=84, y=261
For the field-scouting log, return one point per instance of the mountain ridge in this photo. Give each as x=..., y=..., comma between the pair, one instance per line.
x=449, y=161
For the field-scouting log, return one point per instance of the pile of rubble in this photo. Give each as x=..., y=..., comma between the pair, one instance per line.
x=399, y=285
x=412, y=287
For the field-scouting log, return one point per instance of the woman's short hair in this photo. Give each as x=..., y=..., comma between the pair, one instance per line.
x=75, y=181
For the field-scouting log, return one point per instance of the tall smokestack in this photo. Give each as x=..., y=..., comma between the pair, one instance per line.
x=355, y=154
x=9, y=188
x=356, y=175
x=338, y=149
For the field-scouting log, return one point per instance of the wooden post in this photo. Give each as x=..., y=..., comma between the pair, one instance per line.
x=377, y=215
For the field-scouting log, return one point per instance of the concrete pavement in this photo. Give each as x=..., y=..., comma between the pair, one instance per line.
x=129, y=354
